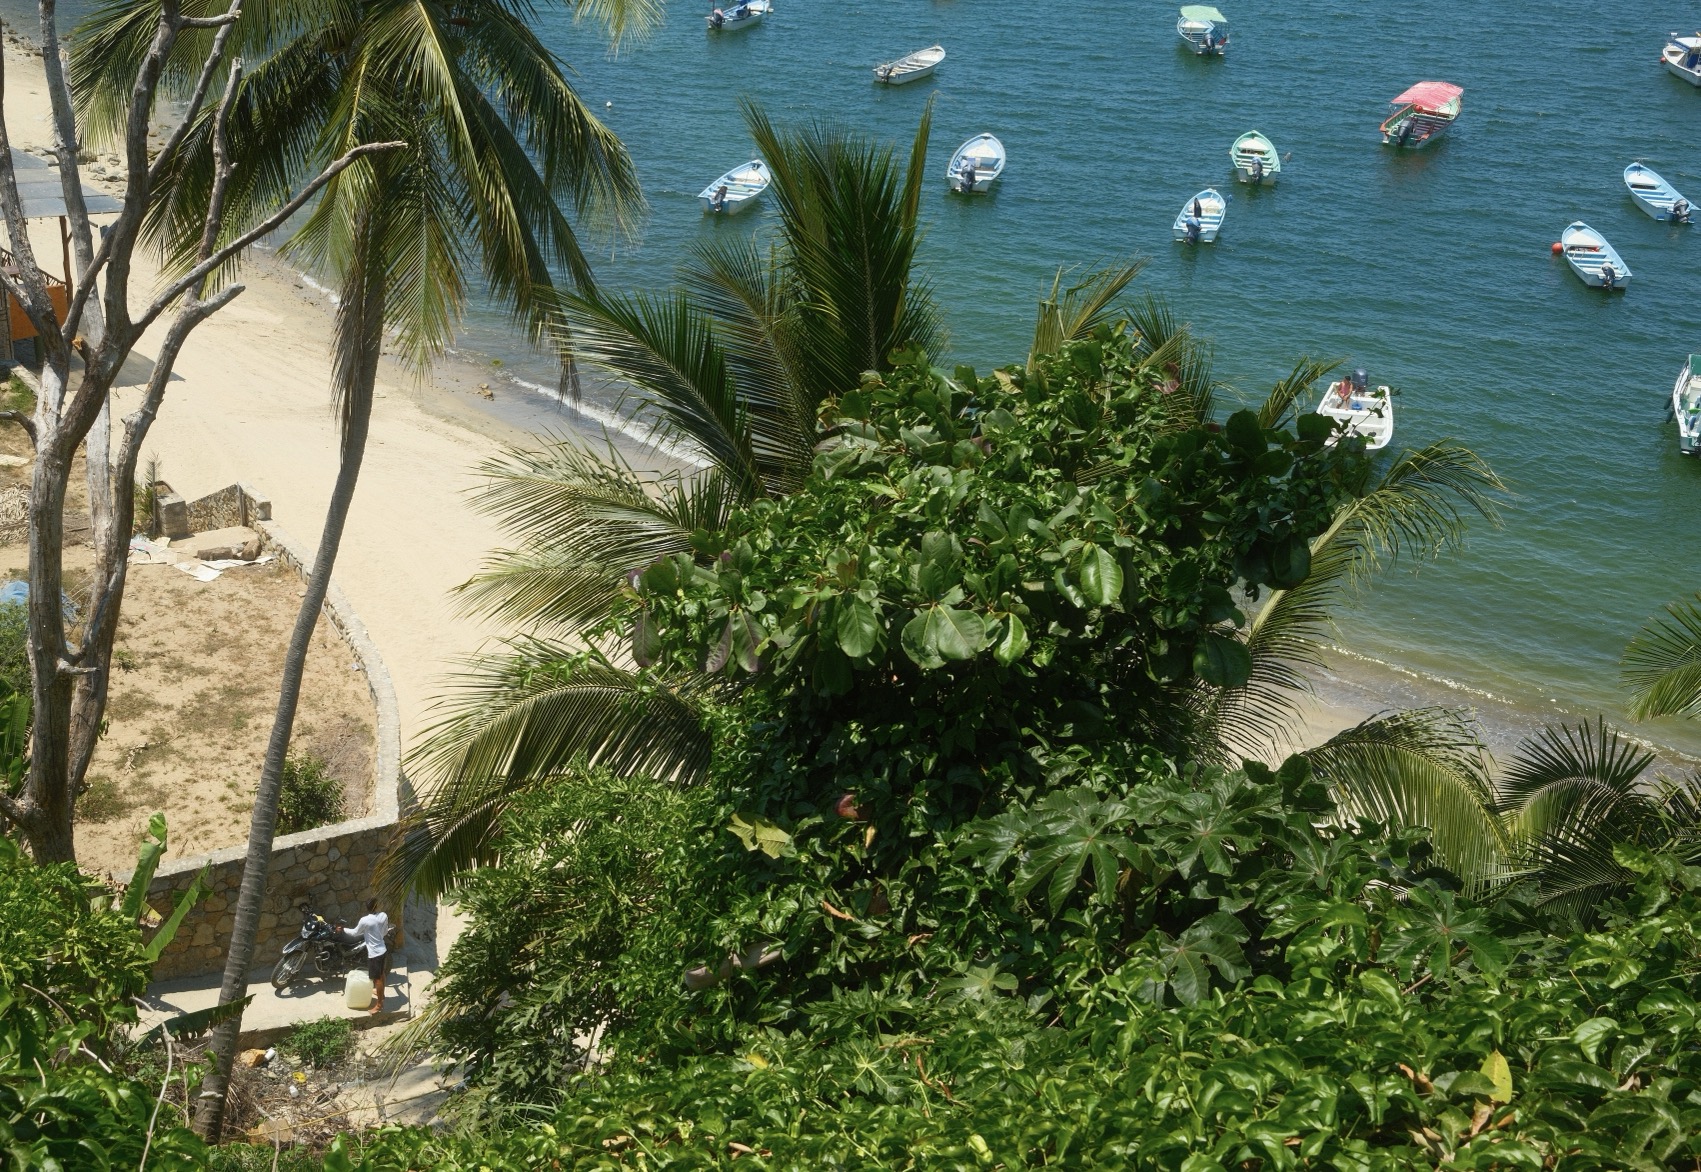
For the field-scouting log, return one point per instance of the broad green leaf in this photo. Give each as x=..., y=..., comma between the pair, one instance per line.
x=1012, y=643
x=1498, y=1071
x=955, y=634
x=147, y=861
x=646, y=640
x=919, y=641
x=1222, y=661
x=168, y=930
x=858, y=628
x=758, y=834
x=1589, y=1036
x=1101, y=576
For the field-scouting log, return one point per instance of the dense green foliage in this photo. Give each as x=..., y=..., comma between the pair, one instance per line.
x=325, y=1042
x=71, y=962
x=308, y=796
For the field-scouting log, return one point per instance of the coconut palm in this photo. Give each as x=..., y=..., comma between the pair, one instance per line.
x=497, y=141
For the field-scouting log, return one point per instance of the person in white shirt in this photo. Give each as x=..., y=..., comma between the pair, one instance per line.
x=371, y=930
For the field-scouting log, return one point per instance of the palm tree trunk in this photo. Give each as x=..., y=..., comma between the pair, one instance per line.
x=360, y=335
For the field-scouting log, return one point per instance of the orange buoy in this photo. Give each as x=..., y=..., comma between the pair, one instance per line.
x=1557, y=248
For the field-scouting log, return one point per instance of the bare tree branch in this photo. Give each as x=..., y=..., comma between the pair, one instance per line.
x=23, y=421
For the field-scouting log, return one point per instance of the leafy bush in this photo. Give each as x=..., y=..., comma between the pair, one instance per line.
x=325, y=1042
x=14, y=649
x=310, y=796
x=245, y=1157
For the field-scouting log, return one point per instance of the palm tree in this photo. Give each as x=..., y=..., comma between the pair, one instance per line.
x=732, y=370
x=477, y=98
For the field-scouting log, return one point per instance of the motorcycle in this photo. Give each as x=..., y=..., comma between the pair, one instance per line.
x=323, y=942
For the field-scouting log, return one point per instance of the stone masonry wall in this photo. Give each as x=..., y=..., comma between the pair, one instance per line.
x=330, y=867
x=235, y=504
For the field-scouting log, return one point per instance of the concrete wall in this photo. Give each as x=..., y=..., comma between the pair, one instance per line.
x=329, y=867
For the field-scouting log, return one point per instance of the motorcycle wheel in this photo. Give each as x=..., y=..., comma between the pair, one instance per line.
x=284, y=972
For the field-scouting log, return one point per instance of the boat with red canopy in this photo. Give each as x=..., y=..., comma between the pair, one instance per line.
x=1422, y=114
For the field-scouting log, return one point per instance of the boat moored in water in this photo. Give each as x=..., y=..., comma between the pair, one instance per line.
x=1203, y=30
x=1201, y=217
x=738, y=189
x=1686, y=406
x=1682, y=58
x=1654, y=195
x=976, y=166
x=1359, y=410
x=736, y=16
x=1422, y=114
x=1255, y=159
x=912, y=67
x=1596, y=263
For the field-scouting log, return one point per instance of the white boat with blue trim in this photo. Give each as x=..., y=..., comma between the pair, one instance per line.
x=976, y=166
x=1686, y=406
x=1596, y=263
x=1255, y=159
x=1654, y=195
x=736, y=16
x=1201, y=217
x=1682, y=58
x=911, y=67
x=1203, y=30
x=1359, y=410
x=738, y=189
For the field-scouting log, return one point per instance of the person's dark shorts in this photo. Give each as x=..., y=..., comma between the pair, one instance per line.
x=377, y=965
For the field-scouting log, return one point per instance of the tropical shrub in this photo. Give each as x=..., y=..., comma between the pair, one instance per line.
x=308, y=796
x=325, y=1042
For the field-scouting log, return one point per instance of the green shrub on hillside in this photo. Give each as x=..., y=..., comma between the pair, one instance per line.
x=310, y=797
x=325, y=1042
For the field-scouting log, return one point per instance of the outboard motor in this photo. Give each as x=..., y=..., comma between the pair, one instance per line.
x=1361, y=380
x=1680, y=210
x=717, y=18
x=1406, y=131
x=1258, y=170
x=1609, y=275
x=1191, y=230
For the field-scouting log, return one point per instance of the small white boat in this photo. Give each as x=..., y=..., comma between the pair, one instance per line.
x=1686, y=406
x=1596, y=263
x=1359, y=410
x=1682, y=58
x=1654, y=195
x=736, y=16
x=1203, y=29
x=914, y=67
x=1255, y=159
x=1422, y=114
x=738, y=189
x=1201, y=217
x=976, y=166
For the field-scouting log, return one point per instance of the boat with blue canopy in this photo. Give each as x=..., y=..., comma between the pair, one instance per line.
x=1686, y=406
x=1682, y=58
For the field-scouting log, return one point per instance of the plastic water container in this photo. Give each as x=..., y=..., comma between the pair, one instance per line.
x=357, y=990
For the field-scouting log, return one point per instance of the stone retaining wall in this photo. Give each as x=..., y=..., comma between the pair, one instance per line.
x=329, y=867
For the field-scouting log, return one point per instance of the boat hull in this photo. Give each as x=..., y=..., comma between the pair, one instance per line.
x=1244, y=175
x=1686, y=409
x=1368, y=416
x=906, y=78
x=1194, y=43
x=732, y=206
x=728, y=25
x=1391, y=137
x=1674, y=66
x=1213, y=209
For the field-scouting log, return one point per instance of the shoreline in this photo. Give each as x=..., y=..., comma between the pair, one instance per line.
x=250, y=402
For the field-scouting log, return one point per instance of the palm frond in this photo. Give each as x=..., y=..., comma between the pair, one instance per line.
x=1278, y=405
x=1164, y=344
x=1421, y=768
x=1662, y=665
x=1073, y=313
x=667, y=351
x=584, y=521
x=1418, y=509
x=513, y=722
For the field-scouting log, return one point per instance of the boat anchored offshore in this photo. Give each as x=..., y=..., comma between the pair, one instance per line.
x=1359, y=411
x=913, y=67
x=1255, y=159
x=1654, y=195
x=1201, y=217
x=1682, y=58
x=1203, y=29
x=1596, y=263
x=738, y=189
x=737, y=16
x=1422, y=114
x=1686, y=406
x=976, y=166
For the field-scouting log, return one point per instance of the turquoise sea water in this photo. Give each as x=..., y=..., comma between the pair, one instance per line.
x=1431, y=270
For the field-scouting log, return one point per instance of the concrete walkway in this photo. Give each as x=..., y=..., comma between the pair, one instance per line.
x=273, y=1013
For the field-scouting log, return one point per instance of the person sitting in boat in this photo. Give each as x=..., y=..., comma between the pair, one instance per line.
x=718, y=200
x=740, y=11
x=966, y=176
